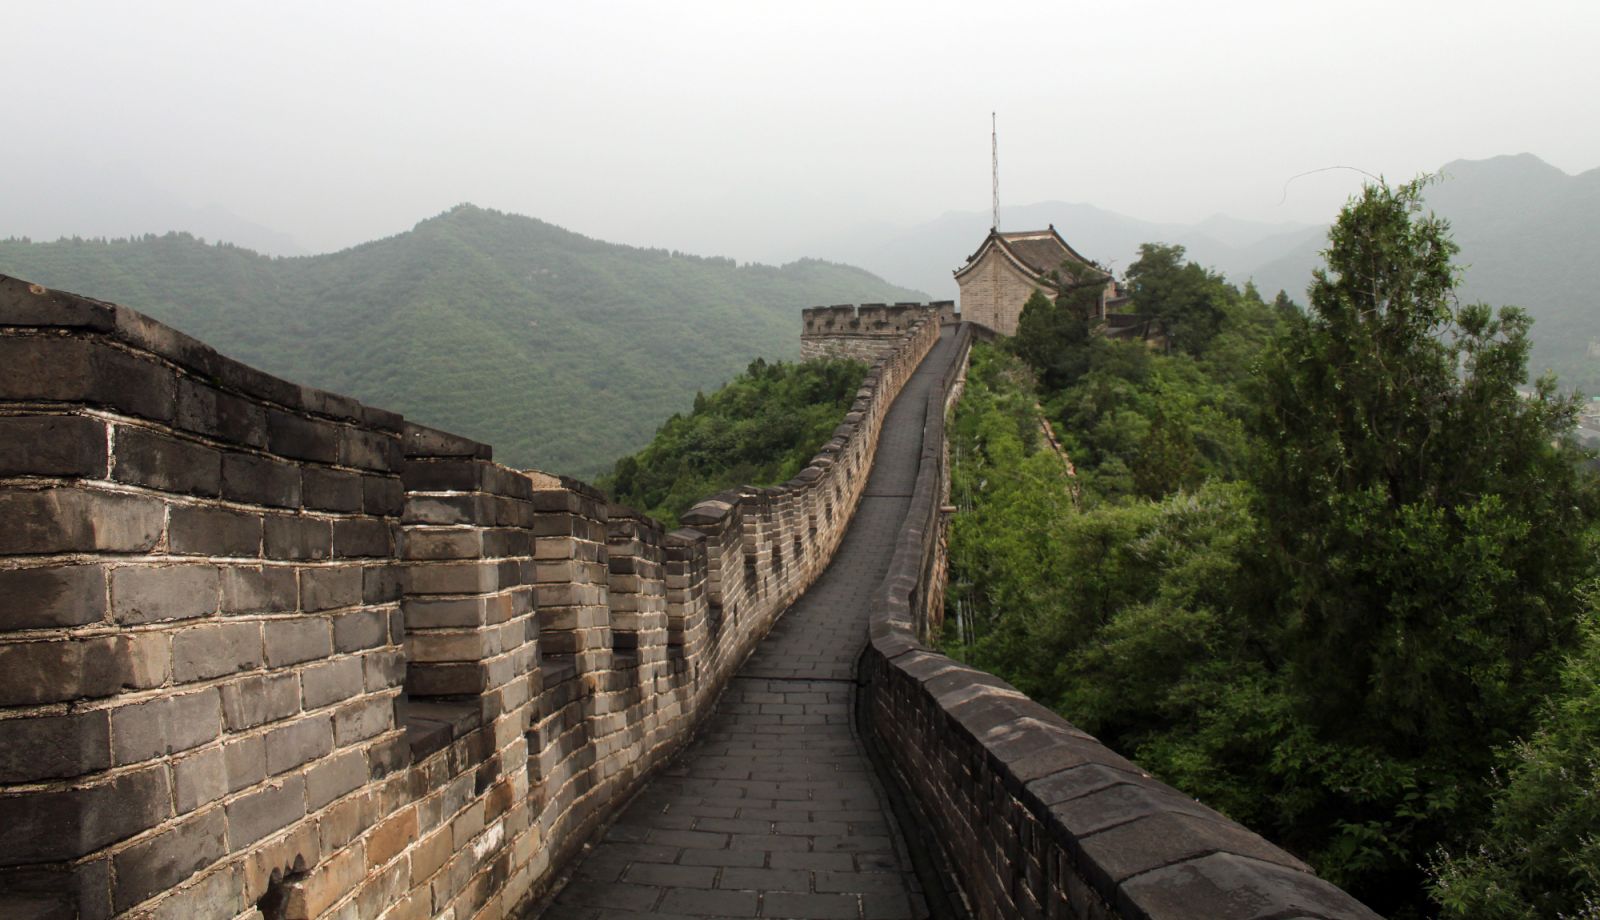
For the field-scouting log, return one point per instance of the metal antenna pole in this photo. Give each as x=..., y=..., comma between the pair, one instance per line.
x=994, y=155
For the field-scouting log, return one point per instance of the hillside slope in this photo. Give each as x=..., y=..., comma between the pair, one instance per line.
x=562, y=351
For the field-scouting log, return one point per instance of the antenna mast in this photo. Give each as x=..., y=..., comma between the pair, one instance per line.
x=994, y=156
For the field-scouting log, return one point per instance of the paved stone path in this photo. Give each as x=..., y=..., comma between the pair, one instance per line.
x=773, y=810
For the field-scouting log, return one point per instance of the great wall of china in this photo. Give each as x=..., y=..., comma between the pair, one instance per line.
x=266, y=652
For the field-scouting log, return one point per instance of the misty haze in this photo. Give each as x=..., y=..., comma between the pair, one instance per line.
x=921, y=461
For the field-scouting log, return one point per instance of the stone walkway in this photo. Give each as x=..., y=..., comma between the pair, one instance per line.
x=773, y=810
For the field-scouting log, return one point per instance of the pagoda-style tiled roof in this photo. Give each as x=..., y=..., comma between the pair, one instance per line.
x=1036, y=252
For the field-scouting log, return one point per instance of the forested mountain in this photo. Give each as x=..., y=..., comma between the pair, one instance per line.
x=562, y=351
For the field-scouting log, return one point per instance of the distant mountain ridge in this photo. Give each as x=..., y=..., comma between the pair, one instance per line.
x=562, y=351
x=1527, y=231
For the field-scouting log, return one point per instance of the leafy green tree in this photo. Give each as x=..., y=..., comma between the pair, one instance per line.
x=1187, y=298
x=1053, y=337
x=1538, y=854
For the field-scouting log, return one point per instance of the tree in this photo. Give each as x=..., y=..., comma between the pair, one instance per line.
x=1425, y=526
x=1053, y=337
x=1187, y=298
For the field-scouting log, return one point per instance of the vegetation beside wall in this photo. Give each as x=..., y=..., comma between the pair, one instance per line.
x=761, y=428
x=1324, y=570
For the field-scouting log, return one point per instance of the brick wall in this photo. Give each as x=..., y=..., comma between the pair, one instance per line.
x=866, y=332
x=265, y=651
x=1037, y=818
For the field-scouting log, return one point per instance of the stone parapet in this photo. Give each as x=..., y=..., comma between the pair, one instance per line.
x=265, y=650
x=1035, y=817
x=865, y=332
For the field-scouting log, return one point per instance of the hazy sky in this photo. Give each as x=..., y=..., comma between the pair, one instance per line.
x=755, y=129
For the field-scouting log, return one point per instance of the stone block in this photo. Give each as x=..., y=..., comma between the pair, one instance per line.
x=324, y=489
x=69, y=520
x=57, y=670
x=56, y=368
x=295, y=640
x=244, y=761
x=52, y=596
x=369, y=450
x=54, y=746
x=165, y=725
x=47, y=826
x=370, y=537
x=256, y=480
x=435, y=612
x=391, y=837
x=52, y=445
x=330, y=682
x=153, y=593
x=383, y=670
x=381, y=584
x=258, y=699
x=214, y=532
x=290, y=745
x=298, y=538
x=301, y=438
x=383, y=495
x=341, y=774
x=1225, y=887
x=363, y=719
x=259, y=589
x=272, y=807
x=206, y=410
x=452, y=578
x=330, y=587
x=199, y=779
x=146, y=457
x=366, y=629
x=215, y=649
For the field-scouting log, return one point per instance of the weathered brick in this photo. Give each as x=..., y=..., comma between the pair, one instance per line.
x=258, y=699
x=215, y=649
x=383, y=670
x=363, y=719
x=257, y=814
x=330, y=587
x=363, y=537
x=151, y=458
x=452, y=578
x=52, y=445
x=256, y=480
x=48, y=747
x=325, y=489
x=219, y=894
x=335, y=877
x=391, y=837
x=369, y=450
x=165, y=725
x=353, y=632
x=302, y=438
x=52, y=596
x=330, y=682
x=206, y=410
x=381, y=584
x=65, y=520
x=430, y=543
x=68, y=669
x=345, y=772
x=49, y=367
x=150, y=593
x=198, y=779
x=214, y=532
x=245, y=762
x=298, y=538
x=259, y=589
x=382, y=495
x=432, y=613
x=67, y=824
x=296, y=640
x=289, y=746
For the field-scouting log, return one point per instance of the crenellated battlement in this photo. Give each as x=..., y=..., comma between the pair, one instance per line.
x=862, y=333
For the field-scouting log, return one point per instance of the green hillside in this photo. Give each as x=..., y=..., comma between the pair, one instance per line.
x=562, y=351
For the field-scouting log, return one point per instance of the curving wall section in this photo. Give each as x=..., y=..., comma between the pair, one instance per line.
x=1034, y=817
x=266, y=652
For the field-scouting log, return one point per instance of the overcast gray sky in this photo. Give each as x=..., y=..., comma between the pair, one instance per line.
x=754, y=129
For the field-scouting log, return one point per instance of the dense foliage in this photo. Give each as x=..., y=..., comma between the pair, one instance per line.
x=760, y=429
x=1324, y=568
x=560, y=351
